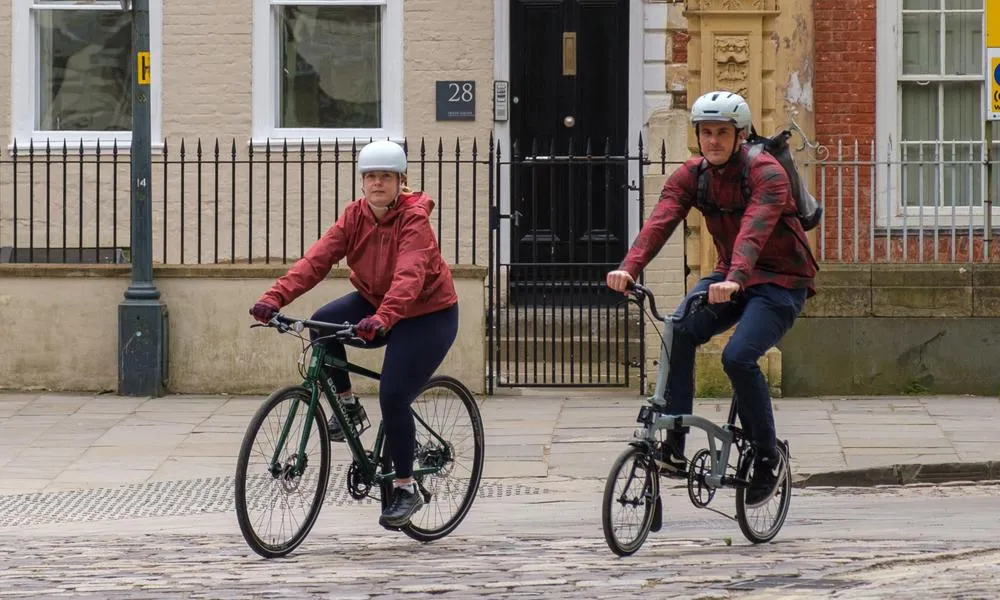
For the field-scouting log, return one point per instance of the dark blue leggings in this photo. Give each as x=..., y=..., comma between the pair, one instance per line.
x=415, y=347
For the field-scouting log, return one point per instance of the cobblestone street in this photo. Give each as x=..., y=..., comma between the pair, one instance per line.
x=837, y=543
x=127, y=498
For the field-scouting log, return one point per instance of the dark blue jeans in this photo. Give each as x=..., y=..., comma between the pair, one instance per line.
x=765, y=313
x=415, y=347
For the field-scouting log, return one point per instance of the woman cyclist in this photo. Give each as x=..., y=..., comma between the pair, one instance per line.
x=405, y=301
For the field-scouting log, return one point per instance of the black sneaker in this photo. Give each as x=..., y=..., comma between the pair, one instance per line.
x=406, y=500
x=355, y=413
x=670, y=462
x=768, y=473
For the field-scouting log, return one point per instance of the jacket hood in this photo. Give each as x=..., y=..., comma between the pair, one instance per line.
x=416, y=201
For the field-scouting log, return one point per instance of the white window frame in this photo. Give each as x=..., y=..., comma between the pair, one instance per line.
x=265, y=84
x=889, y=210
x=24, y=76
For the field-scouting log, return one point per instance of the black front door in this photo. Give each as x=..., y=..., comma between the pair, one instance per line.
x=569, y=124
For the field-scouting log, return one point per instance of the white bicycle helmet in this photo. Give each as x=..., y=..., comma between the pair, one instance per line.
x=382, y=155
x=722, y=106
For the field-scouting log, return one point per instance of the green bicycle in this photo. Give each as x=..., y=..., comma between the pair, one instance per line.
x=280, y=486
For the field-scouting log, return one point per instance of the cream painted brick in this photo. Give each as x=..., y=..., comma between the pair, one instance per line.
x=655, y=46
x=206, y=69
x=654, y=16
x=654, y=78
x=5, y=64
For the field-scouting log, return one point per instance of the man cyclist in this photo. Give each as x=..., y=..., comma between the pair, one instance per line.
x=762, y=278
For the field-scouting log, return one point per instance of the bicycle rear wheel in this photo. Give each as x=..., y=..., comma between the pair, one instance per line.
x=761, y=523
x=263, y=488
x=630, y=495
x=446, y=409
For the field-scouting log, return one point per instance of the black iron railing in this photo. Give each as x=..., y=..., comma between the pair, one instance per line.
x=221, y=202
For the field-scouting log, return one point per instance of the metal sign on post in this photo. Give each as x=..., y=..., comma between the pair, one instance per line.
x=991, y=111
x=992, y=100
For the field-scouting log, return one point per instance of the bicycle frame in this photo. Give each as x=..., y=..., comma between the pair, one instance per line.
x=317, y=384
x=654, y=419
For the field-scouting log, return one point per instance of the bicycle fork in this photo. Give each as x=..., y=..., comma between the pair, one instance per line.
x=297, y=467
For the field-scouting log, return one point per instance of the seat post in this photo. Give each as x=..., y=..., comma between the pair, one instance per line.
x=732, y=411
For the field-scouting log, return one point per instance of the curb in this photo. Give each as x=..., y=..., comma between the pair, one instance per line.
x=902, y=475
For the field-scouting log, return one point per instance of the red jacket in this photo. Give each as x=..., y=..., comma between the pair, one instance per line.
x=763, y=244
x=395, y=263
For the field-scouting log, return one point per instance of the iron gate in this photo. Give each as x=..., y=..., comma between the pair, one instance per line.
x=555, y=231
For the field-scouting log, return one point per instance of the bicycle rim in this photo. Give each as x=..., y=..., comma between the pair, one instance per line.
x=449, y=409
x=275, y=507
x=760, y=524
x=630, y=494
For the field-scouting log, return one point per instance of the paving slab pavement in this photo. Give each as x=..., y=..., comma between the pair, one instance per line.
x=62, y=441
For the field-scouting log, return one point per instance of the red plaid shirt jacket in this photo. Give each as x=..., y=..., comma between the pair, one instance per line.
x=762, y=242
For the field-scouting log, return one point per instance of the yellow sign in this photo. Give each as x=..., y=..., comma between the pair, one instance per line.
x=993, y=23
x=142, y=75
x=994, y=75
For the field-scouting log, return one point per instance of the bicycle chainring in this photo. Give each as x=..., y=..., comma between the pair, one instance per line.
x=357, y=487
x=699, y=491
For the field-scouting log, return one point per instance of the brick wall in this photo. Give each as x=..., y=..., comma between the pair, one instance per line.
x=844, y=84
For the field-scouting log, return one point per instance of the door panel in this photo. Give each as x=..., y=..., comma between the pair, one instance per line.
x=573, y=209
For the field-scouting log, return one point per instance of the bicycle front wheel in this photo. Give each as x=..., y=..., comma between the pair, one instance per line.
x=630, y=495
x=277, y=497
x=449, y=437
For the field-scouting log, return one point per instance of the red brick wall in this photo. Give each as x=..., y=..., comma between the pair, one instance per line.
x=844, y=96
x=844, y=80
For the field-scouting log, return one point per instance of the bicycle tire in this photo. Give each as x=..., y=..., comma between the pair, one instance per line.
x=639, y=459
x=783, y=497
x=254, y=538
x=418, y=528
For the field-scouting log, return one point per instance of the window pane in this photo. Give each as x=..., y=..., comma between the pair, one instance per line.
x=84, y=74
x=920, y=174
x=921, y=44
x=963, y=117
x=919, y=113
x=921, y=4
x=963, y=43
x=330, y=66
x=962, y=174
x=963, y=4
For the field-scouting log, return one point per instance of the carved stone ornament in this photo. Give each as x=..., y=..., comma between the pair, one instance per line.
x=705, y=5
x=732, y=63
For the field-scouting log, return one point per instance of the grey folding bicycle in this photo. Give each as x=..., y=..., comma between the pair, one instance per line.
x=632, y=505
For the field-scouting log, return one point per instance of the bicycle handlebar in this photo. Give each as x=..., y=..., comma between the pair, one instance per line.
x=694, y=302
x=283, y=323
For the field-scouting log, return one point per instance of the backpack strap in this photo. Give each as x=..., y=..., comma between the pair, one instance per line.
x=701, y=194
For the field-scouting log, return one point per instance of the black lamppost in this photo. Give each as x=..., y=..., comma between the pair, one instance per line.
x=142, y=317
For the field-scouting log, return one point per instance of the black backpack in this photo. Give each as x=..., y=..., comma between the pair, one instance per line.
x=808, y=210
